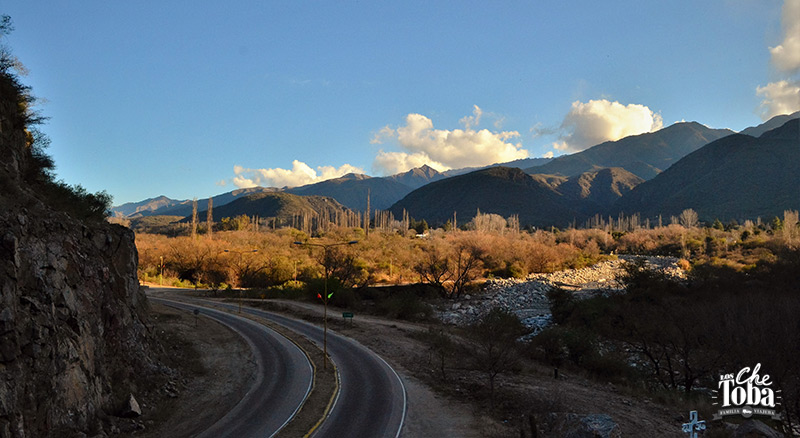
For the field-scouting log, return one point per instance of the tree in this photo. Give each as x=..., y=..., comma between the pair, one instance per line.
x=688, y=218
x=433, y=267
x=466, y=265
x=420, y=227
x=210, y=218
x=488, y=222
x=442, y=346
x=495, y=338
x=194, y=218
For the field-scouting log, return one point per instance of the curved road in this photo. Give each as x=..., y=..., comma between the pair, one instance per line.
x=283, y=382
x=372, y=398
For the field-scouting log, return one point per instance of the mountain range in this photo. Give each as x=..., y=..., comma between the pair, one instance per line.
x=281, y=205
x=644, y=155
x=686, y=165
x=538, y=200
x=736, y=177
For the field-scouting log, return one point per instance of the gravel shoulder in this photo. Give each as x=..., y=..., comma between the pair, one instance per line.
x=211, y=369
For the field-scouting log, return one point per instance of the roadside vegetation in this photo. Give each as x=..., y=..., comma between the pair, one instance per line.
x=451, y=261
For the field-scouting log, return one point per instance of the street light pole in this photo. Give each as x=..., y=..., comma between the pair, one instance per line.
x=326, y=248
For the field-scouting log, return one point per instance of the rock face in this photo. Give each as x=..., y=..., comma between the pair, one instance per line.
x=72, y=319
x=71, y=325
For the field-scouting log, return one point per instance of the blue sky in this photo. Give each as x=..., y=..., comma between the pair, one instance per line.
x=191, y=99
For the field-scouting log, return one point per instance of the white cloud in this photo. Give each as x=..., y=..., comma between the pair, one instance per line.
x=474, y=119
x=786, y=56
x=591, y=123
x=422, y=144
x=300, y=174
x=380, y=136
x=548, y=154
x=782, y=97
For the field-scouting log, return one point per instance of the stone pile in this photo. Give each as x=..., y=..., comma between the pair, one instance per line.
x=527, y=298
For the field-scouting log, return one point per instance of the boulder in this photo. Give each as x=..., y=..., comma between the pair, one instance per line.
x=131, y=408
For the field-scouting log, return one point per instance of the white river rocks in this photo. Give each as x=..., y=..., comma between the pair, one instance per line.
x=527, y=297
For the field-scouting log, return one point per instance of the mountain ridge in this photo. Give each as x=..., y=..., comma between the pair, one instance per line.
x=734, y=178
x=644, y=155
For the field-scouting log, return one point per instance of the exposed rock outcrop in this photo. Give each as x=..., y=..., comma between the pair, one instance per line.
x=73, y=333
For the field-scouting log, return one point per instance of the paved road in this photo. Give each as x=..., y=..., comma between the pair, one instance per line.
x=372, y=398
x=283, y=382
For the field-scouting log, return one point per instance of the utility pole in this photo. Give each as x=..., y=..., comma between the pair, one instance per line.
x=325, y=297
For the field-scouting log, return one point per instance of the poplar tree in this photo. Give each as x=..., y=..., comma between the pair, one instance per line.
x=194, y=218
x=210, y=217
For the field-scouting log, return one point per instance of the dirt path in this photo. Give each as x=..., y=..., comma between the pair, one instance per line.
x=214, y=369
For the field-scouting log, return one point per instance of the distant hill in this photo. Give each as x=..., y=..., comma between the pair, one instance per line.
x=417, y=177
x=523, y=163
x=644, y=155
x=275, y=204
x=596, y=191
x=184, y=208
x=500, y=190
x=133, y=209
x=736, y=177
x=351, y=191
x=773, y=123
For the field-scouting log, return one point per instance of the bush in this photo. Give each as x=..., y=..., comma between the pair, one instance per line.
x=405, y=305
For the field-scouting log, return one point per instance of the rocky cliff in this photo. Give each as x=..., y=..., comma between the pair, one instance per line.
x=73, y=332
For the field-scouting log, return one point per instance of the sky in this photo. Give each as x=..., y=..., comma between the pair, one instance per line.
x=196, y=98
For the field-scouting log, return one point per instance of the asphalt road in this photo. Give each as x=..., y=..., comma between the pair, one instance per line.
x=372, y=398
x=283, y=382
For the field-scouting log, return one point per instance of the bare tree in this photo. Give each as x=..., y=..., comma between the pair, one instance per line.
x=433, y=267
x=442, y=346
x=790, y=223
x=495, y=338
x=688, y=218
x=210, y=218
x=194, y=218
x=367, y=214
x=466, y=265
x=489, y=222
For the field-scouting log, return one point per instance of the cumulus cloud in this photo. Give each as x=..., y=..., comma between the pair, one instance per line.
x=385, y=133
x=782, y=97
x=548, y=154
x=474, y=119
x=300, y=174
x=786, y=56
x=422, y=144
x=596, y=121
